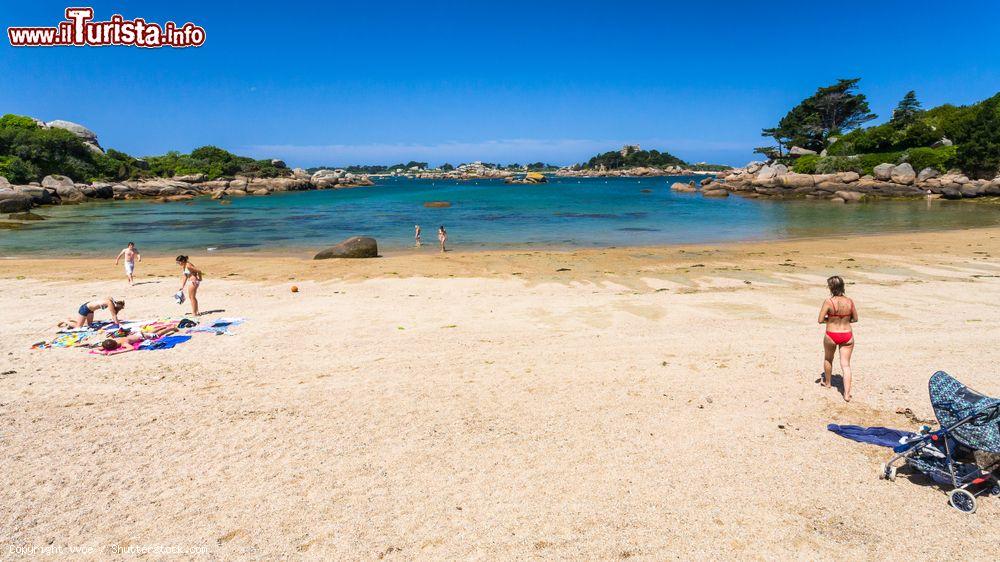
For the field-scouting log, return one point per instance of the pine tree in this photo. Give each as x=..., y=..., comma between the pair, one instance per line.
x=832, y=110
x=907, y=110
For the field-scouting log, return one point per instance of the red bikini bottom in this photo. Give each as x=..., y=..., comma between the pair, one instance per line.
x=840, y=338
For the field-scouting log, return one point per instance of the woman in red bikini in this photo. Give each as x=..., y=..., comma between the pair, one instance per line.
x=838, y=313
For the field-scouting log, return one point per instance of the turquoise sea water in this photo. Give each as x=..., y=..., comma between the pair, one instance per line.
x=485, y=214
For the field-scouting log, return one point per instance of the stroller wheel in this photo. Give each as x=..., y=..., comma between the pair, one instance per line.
x=962, y=500
x=887, y=472
x=995, y=490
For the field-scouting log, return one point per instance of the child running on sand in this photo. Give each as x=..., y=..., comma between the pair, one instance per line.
x=131, y=256
x=838, y=313
x=85, y=314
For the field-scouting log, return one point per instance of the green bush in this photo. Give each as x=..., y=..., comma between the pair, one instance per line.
x=212, y=161
x=867, y=162
x=11, y=121
x=835, y=164
x=614, y=160
x=805, y=164
x=941, y=159
x=17, y=170
x=979, y=154
x=46, y=151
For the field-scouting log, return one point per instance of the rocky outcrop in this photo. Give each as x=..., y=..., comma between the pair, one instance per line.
x=437, y=204
x=89, y=137
x=338, y=179
x=888, y=180
x=190, y=178
x=356, y=247
x=683, y=187
x=903, y=174
x=717, y=192
x=38, y=195
x=13, y=202
x=926, y=174
x=883, y=172
x=629, y=172
x=529, y=178
x=97, y=190
x=63, y=188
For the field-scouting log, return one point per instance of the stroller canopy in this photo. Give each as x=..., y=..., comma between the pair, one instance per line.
x=953, y=402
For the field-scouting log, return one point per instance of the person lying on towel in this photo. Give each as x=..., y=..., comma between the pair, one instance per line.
x=112, y=344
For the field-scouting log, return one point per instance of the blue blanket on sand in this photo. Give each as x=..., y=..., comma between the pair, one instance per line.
x=166, y=342
x=881, y=436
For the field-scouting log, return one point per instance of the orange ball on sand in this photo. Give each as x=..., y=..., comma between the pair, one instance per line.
x=295, y=288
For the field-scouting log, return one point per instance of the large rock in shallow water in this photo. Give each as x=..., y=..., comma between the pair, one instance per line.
x=717, y=192
x=356, y=247
x=684, y=187
x=38, y=195
x=13, y=202
x=99, y=191
x=64, y=187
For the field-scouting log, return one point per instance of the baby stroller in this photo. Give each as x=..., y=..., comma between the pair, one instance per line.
x=964, y=451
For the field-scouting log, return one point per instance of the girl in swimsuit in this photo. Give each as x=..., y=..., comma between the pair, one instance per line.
x=85, y=314
x=838, y=313
x=442, y=237
x=191, y=279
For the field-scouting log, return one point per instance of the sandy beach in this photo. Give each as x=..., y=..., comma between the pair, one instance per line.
x=650, y=403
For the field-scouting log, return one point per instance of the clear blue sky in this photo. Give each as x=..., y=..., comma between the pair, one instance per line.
x=367, y=82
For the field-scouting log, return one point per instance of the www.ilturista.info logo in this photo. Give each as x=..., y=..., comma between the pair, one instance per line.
x=79, y=30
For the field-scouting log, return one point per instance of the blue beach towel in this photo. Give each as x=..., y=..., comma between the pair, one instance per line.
x=881, y=436
x=166, y=342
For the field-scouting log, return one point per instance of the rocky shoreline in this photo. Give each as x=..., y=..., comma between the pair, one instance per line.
x=758, y=179
x=60, y=190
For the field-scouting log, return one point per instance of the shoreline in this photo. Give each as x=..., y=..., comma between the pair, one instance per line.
x=528, y=262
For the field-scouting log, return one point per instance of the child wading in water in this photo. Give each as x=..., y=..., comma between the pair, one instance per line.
x=442, y=237
x=416, y=234
x=838, y=313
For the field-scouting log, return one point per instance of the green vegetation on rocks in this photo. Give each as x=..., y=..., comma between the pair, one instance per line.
x=633, y=159
x=30, y=151
x=941, y=138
